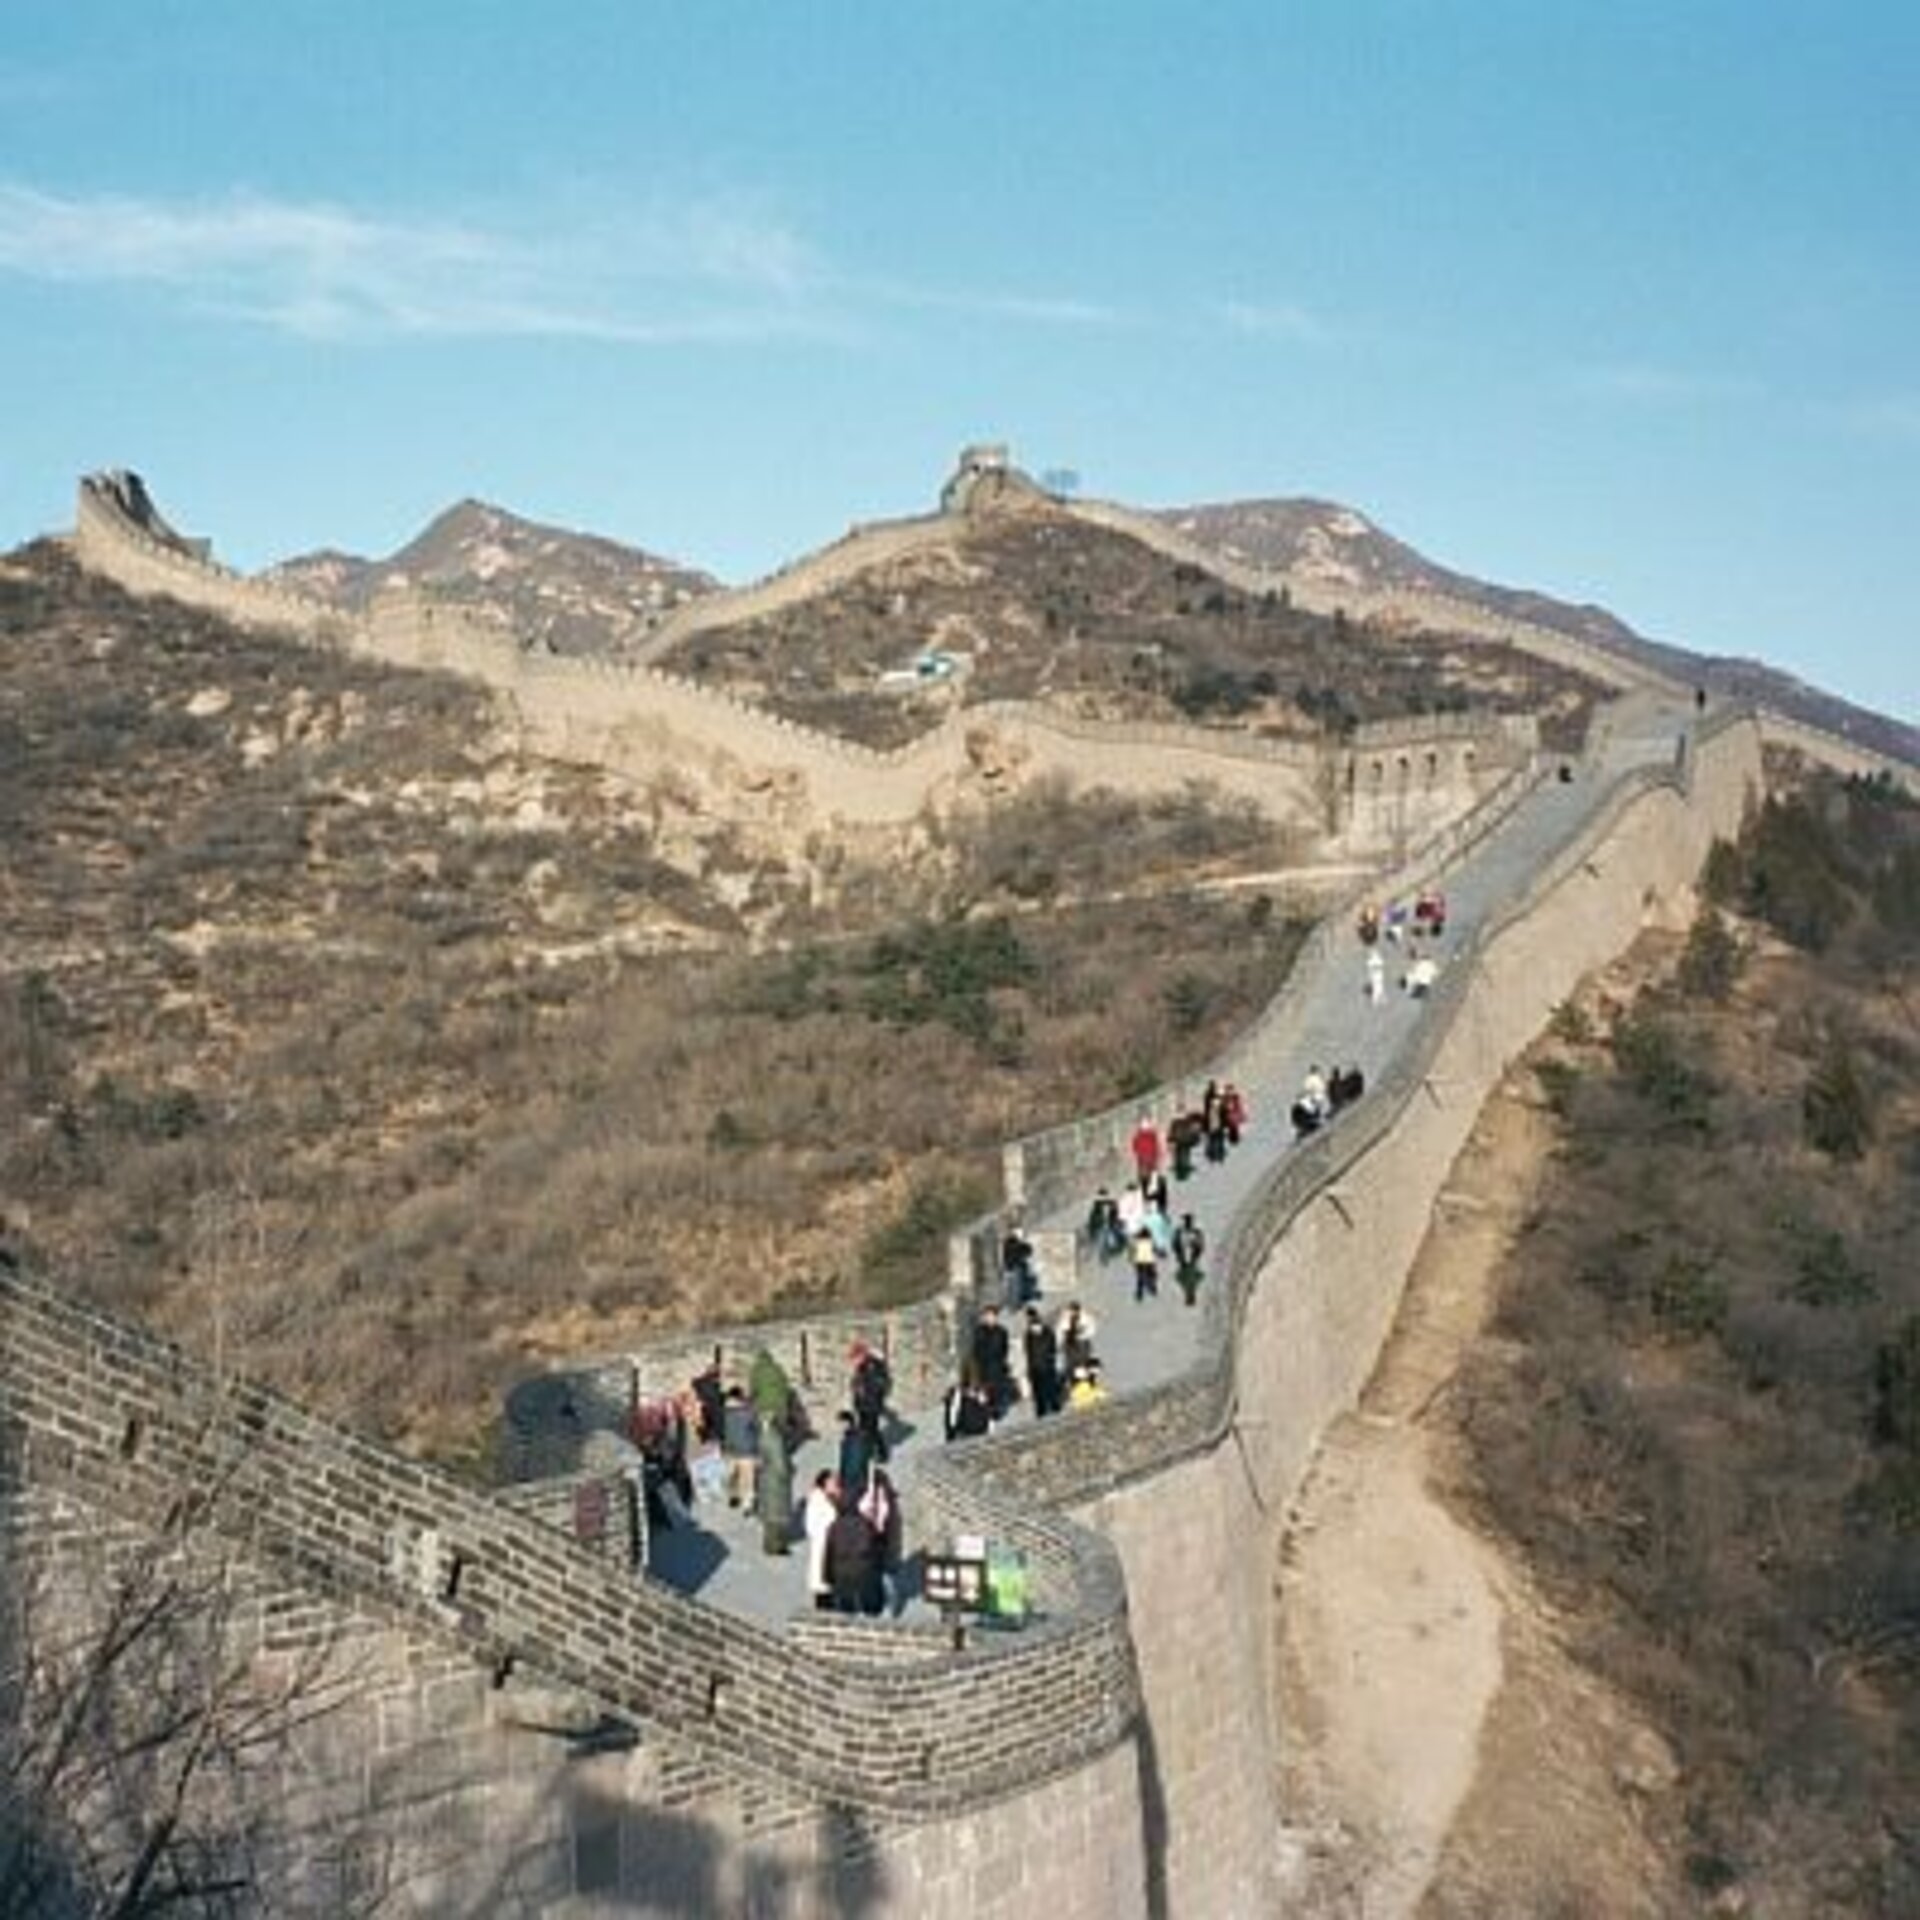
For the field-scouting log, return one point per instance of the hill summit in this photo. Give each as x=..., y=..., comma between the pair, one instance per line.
x=558, y=590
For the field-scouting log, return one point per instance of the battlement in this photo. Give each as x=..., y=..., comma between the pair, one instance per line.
x=636, y=718
x=1180, y=1475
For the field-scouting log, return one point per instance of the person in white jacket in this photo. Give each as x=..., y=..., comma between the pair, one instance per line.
x=822, y=1509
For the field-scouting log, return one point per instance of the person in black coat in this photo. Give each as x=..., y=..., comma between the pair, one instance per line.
x=991, y=1360
x=967, y=1413
x=1043, y=1364
x=854, y=1573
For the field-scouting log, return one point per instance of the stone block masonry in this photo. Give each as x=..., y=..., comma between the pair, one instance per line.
x=93, y=1403
x=907, y=1766
x=1118, y=1759
x=637, y=721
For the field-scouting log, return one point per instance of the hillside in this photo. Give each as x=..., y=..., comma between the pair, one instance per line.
x=344, y=1036
x=562, y=592
x=1333, y=545
x=1032, y=602
x=1697, y=1417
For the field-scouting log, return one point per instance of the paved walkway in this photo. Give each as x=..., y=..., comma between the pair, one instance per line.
x=719, y=1556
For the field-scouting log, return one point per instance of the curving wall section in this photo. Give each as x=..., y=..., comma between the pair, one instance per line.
x=1138, y=1708
x=1149, y=1681
x=1390, y=783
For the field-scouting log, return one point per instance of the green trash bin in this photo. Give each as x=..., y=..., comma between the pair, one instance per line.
x=1007, y=1587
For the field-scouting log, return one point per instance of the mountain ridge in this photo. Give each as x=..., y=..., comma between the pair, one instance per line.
x=1330, y=544
x=571, y=592
x=561, y=591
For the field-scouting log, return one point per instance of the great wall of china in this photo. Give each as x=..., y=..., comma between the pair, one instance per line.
x=1393, y=783
x=536, y=1730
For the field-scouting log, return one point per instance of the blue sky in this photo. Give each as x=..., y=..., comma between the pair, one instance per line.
x=1618, y=300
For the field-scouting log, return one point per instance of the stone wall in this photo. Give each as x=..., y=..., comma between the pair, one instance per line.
x=1436, y=612
x=90, y=1402
x=406, y=1777
x=1192, y=1480
x=912, y=1778
x=1836, y=752
x=638, y=720
x=1120, y=1757
x=549, y=1416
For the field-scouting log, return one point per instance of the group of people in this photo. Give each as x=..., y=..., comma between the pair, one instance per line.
x=852, y=1519
x=853, y=1531
x=1322, y=1095
x=737, y=1442
x=1420, y=927
x=1397, y=921
x=1209, y=1128
x=1058, y=1369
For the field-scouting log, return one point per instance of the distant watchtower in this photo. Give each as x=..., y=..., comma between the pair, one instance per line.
x=985, y=463
x=987, y=480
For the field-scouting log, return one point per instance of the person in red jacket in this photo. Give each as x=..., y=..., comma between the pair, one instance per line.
x=1146, y=1148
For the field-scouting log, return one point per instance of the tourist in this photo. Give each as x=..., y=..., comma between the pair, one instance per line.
x=1040, y=1348
x=1158, y=1196
x=776, y=1487
x=1086, y=1390
x=822, y=1508
x=657, y=1429
x=1420, y=977
x=1104, y=1232
x=1189, y=1247
x=740, y=1445
x=1213, y=1122
x=1344, y=1087
x=782, y=1425
x=1016, y=1266
x=1146, y=1149
x=1376, y=977
x=1233, y=1109
x=1184, y=1135
x=1073, y=1337
x=868, y=1389
x=881, y=1505
x=857, y=1451
x=709, y=1402
x=967, y=1414
x=1146, y=1266
x=853, y=1562
x=1313, y=1090
x=992, y=1359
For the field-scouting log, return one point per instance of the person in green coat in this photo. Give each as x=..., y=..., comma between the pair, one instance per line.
x=771, y=1393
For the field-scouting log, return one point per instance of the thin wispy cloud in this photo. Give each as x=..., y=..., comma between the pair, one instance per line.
x=719, y=268
x=988, y=303
x=1285, y=320
x=1658, y=386
x=326, y=271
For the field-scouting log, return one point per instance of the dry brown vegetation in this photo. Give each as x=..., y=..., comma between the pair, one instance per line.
x=1702, y=1417
x=1048, y=607
x=316, y=1047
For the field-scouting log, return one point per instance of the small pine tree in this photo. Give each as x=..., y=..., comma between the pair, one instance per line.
x=1837, y=1107
x=1713, y=959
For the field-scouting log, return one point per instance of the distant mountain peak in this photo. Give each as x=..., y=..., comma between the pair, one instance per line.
x=1324, y=541
x=557, y=590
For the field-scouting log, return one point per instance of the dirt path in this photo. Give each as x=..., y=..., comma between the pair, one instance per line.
x=1443, y=1756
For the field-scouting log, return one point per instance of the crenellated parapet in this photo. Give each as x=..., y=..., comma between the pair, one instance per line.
x=1149, y=1522
x=636, y=718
